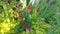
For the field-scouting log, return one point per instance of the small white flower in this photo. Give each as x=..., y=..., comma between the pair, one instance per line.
x=30, y=16
x=40, y=21
x=21, y=1
x=33, y=1
x=37, y=2
x=8, y=19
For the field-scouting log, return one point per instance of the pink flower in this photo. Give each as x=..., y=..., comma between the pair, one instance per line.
x=29, y=8
x=22, y=23
x=15, y=15
x=20, y=16
x=28, y=28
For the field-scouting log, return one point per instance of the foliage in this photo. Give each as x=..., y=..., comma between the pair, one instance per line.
x=23, y=18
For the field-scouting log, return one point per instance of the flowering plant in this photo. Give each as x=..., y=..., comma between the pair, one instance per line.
x=29, y=17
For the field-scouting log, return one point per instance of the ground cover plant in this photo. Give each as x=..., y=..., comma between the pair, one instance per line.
x=29, y=16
